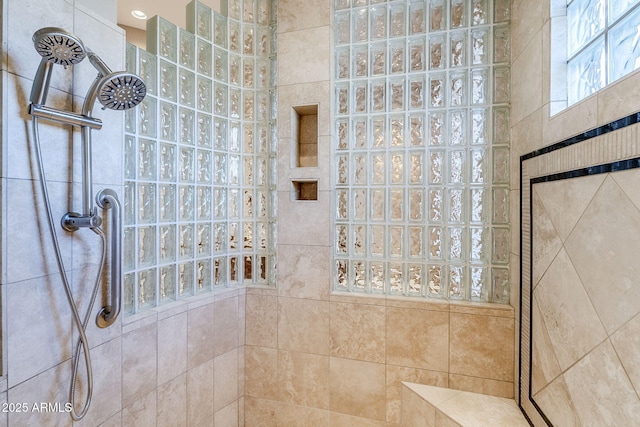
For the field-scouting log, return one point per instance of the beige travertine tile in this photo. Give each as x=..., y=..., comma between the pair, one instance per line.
x=358, y=332
x=172, y=402
x=200, y=335
x=172, y=347
x=556, y=403
x=226, y=326
x=546, y=242
x=342, y=420
x=296, y=95
x=358, y=388
x=570, y=319
x=292, y=415
x=413, y=303
x=139, y=363
x=418, y=338
x=444, y=421
x=626, y=342
x=610, y=225
x=527, y=19
x=481, y=309
x=618, y=99
x=303, y=325
x=481, y=385
x=260, y=372
x=261, y=412
x=299, y=64
x=200, y=395
x=299, y=14
x=544, y=365
x=601, y=391
x=303, y=271
x=141, y=413
x=416, y=412
x=262, y=320
x=305, y=223
x=572, y=121
x=397, y=374
x=227, y=416
x=528, y=68
x=225, y=384
x=629, y=182
x=303, y=379
x=482, y=346
x=477, y=409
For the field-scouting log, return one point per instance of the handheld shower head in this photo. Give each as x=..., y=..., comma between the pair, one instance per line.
x=59, y=46
x=121, y=90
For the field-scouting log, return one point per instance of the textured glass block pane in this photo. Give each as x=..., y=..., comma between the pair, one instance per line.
x=458, y=13
x=359, y=90
x=377, y=240
x=342, y=27
x=396, y=93
x=343, y=59
x=221, y=65
x=130, y=157
x=479, y=249
x=342, y=204
x=500, y=247
x=146, y=246
x=234, y=266
x=618, y=7
x=415, y=205
x=168, y=121
x=360, y=133
x=343, y=134
x=204, y=130
x=147, y=288
x=129, y=293
x=187, y=164
x=167, y=202
x=501, y=206
x=501, y=125
x=396, y=282
x=437, y=88
x=378, y=131
x=168, y=243
x=359, y=205
x=234, y=170
x=146, y=158
x=129, y=249
x=501, y=10
x=457, y=127
x=397, y=163
x=501, y=166
x=219, y=203
x=342, y=99
x=235, y=71
x=168, y=81
x=167, y=40
x=501, y=85
x=417, y=54
x=186, y=198
x=479, y=288
x=220, y=237
x=147, y=121
x=360, y=169
x=479, y=126
x=203, y=275
x=434, y=278
x=146, y=203
x=624, y=46
x=360, y=25
x=378, y=59
x=341, y=275
x=378, y=17
x=187, y=125
x=416, y=87
x=205, y=58
x=436, y=205
x=262, y=11
x=416, y=174
x=360, y=61
x=458, y=89
x=342, y=4
x=359, y=239
x=185, y=279
x=586, y=72
x=262, y=42
x=479, y=166
x=397, y=57
x=248, y=11
x=377, y=277
x=417, y=17
x=204, y=166
x=234, y=37
x=456, y=282
x=415, y=242
x=147, y=69
x=437, y=128
x=480, y=47
x=359, y=276
x=221, y=94
x=167, y=162
x=204, y=91
x=248, y=40
x=416, y=130
x=458, y=49
x=234, y=238
x=397, y=20
x=456, y=243
x=378, y=95
x=396, y=241
x=378, y=205
x=500, y=285
x=219, y=30
x=436, y=167
x=235, y=106
x=397, y=202
x=501, y=44
x=480, y=205
x=479, y=12
x=397, y=131
x=437, y=15
x=342, y=239
x=343, y=170
x=585, y=20
x=187, y=54
x=437, y=49
x=456, y=205
x=248, y=105
x=456, y=166
x=167, y=283
x=436, y=249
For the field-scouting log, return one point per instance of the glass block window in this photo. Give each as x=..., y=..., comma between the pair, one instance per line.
x=421, y=148
x=200, y=157
x=603, y=44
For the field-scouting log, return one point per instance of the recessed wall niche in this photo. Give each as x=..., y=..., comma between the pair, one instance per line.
x=305, y=134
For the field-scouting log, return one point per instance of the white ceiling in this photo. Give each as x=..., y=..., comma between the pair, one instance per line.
x=172, y=10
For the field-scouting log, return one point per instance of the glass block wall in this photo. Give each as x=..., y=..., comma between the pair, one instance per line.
x=421, y=148
x=603, y=44
x=199, y=202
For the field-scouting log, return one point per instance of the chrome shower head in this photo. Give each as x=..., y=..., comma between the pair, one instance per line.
x=59, y=46
x=121, y=90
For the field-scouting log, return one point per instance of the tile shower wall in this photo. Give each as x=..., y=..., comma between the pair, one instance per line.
x=181, y=365
x=422, y=148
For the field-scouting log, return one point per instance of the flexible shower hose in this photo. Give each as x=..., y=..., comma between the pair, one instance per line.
x=81, y=325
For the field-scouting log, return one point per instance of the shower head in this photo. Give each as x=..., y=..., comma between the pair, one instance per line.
x=59, y=46
x=121, y=90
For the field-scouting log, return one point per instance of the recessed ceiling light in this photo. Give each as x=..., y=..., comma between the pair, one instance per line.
x=138, y=14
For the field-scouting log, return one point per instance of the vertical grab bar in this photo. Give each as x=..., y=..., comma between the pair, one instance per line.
x=108, y=199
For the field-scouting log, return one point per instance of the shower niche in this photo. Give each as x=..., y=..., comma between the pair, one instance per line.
x=305, y=132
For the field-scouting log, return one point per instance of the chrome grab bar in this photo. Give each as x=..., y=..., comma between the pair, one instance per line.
x=108, y=199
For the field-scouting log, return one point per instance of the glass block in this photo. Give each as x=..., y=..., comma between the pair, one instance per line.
x=378, y=205
x=416, y=130
x=359, y=276
x=378, y=95
x=186, y=241
x=168, y=81
x=203, y=275
x=186, y=199
x=248, y=40
x=378, y=16
x=501, y=44
x=437, y=49
x=234, y=9
x=397, y=57
x=167, y=40
x=378, y=58
x=262, y=41
x=147, y=120
x=501, y=125
x=396, y=174
x=203, y=17
x=248, y=105
x=248, y=11
x=220, y=237
x=396, y=94
x=185, y=279
x=342, y=239
x=342, y=170
x=262, y=110
x=129, y=293
x=219, y=272
x=221, y=95
x=219, y=203
x=436, y=166
x=342, y=130
x=234, y=238
x=585, y=21
x=204, y=130
x=147, y=288
x=360, y=61
x=167, y=286
x=501, y=11
x=167, y=202
x=458, y=12
x=500, y=285
x=131, y=61
x=146, y=158
x=342, y=98
x=342, y=204
x=617, y=8
x=130, y=120
x=416, y=47
x=457, y=127
x=479, y=12
x=479, y=288
x=129, y=249
x=234, y=136
x=436, y=205
x=342, y=4
x=397, y=202
x=187, y=49
x=416, y=173
x=396, y=241
x=147, y=68
x=377, y=276
x=479, y=86
x=502, y=85
x=235, y=106
x=397, y=20
x=204, y=87
x=458, y=89
x=437, y=128
x=360, y=25
x=187, y=165
x=146, y=246
x=187, y=126
x=624, y=47
x=262, y=12
x=396, y=282
x=415, y=279
x=479, y=166
x=437, y=90
x=146, y=203
x=456, y=243
x=342, y=25
x=204, y=166
x=219, y=30
x=480, y=205
x=359, y=239
x=500, y=206
x=168, y=121
x=500, y=248
x=396, y=125
x=458, y=49
x=359, y=90
x=436, y=247
x=480, y=47
x=457, y=289
x=205, y=58
x=415, y=206
x=343, y=59
x=129, y=204
x=234, y=170
x=235, y=41
x=434, y=280
x=360, y=169
x=501, y=166
x=455, y=205
x=417, y=17
x=479, y=249
x=377, y=240
x=248, y=172
x=479, y=126
x=187, y=87
x=437, y=15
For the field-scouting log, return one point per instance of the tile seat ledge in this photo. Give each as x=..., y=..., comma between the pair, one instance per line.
x=429, y=406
